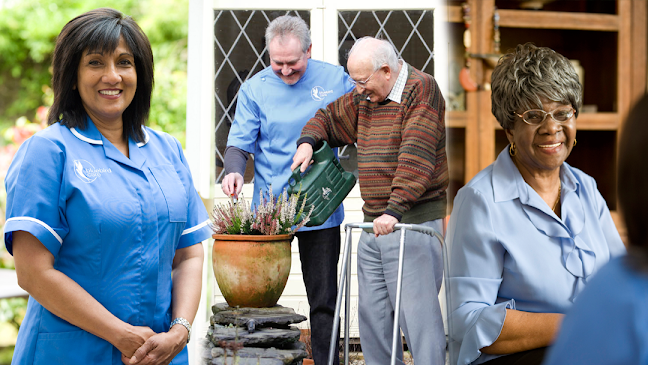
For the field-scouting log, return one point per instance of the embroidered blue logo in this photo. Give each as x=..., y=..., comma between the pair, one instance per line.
x=318, y=93
x=86, y=172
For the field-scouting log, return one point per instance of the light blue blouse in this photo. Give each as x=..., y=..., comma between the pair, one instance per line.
x=608, y=323
x=509, y=250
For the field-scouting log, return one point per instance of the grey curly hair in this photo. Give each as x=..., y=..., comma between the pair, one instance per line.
x=522, y=77
x=289, y=25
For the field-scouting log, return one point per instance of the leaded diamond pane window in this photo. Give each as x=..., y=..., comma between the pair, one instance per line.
x=410, y=31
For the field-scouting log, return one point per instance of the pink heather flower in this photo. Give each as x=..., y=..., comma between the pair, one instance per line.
x=273, y=215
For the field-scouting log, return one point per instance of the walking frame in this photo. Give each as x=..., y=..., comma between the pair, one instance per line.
x=345, y=286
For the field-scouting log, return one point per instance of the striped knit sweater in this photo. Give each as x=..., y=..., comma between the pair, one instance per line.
x=402, y=161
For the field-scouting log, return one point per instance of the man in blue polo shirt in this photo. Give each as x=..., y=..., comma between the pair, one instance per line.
x=273, y=107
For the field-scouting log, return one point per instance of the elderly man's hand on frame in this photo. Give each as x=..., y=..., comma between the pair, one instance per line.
x=384, y=224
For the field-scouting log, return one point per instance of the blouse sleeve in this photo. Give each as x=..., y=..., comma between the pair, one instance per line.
x=197, y=228
x=33, y=185
x=476, y=265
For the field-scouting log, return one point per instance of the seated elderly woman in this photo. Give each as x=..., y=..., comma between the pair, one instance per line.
x=527, y=232
x=607, y=324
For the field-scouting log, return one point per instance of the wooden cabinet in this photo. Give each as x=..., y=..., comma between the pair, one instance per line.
x=607, y=39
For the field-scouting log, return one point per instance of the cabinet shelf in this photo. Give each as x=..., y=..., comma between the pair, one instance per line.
x=607, y=38
x=456, y=119
x=558, y=20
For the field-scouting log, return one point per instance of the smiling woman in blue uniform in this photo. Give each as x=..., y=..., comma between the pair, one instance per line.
x=101, y=211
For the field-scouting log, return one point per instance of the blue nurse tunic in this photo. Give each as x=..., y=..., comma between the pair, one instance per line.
x=112, y=223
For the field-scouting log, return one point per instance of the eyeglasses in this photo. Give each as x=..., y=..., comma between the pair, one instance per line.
x=364, y=83
x=537, y=116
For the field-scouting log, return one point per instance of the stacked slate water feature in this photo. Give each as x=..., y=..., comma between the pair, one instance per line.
x=254, y=336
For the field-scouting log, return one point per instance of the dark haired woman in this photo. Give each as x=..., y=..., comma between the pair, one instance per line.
x=529, y=231
x=608, y=323
x=101, y=211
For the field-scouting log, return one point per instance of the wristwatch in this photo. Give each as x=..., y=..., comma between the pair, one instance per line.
x=183, y=322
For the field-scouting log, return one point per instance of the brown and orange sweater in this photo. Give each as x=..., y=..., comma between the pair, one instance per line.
x=402, y=163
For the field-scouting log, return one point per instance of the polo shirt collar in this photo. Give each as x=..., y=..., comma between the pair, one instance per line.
x=92, y=135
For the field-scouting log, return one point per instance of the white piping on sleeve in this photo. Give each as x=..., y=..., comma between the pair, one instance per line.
x=195, y=228
x=39, y=222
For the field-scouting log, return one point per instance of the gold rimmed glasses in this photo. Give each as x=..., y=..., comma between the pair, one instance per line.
x=537, y=116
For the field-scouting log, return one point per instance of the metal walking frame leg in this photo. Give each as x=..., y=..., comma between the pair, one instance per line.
x=342, y=288
x=345, y=288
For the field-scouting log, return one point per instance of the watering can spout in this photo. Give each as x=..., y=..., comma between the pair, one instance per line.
x=324, y=185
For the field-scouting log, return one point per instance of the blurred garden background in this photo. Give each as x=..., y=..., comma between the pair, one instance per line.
x=28, y=30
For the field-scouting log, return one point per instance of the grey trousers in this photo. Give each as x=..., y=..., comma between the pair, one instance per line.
x=420, y=318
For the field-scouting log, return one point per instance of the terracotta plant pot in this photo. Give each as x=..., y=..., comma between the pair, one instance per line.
x=251, y=270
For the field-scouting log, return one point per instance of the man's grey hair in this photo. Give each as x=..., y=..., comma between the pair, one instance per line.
x=384, y=54
x=522, y=77
x=286, y=25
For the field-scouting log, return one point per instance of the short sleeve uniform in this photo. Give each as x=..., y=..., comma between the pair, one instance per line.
x=113, y=225
x=269, y=119
x=510, y=250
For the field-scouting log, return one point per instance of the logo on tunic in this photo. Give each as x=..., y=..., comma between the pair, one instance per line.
x=318, y=93
x=86, y=172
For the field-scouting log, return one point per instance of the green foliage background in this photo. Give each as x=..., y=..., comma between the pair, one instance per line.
x=28, y=30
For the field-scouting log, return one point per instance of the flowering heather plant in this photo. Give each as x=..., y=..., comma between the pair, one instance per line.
x=271, y=217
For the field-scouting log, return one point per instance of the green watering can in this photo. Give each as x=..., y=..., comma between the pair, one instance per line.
x=324, y=185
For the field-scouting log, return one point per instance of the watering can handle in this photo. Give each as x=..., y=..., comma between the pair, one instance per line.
x=295, y=177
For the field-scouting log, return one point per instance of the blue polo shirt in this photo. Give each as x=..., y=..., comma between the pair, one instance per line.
x=112, y=223
x=270, y=116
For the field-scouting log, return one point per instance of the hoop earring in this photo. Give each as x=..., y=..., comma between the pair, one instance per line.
x=512, y=149
x=574, y=143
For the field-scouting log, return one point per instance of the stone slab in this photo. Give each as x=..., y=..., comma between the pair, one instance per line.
x=253, y=318
x=261, y=337
x=213, y=355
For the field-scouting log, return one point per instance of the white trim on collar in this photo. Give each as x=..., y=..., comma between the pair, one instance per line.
x=84, y=138
x=146, y=138
x=95, y=141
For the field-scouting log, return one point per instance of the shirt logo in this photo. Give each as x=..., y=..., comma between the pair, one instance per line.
x=318, y=93
x=86, y=172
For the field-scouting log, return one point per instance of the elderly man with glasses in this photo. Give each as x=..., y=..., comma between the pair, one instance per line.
x=396, y=117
